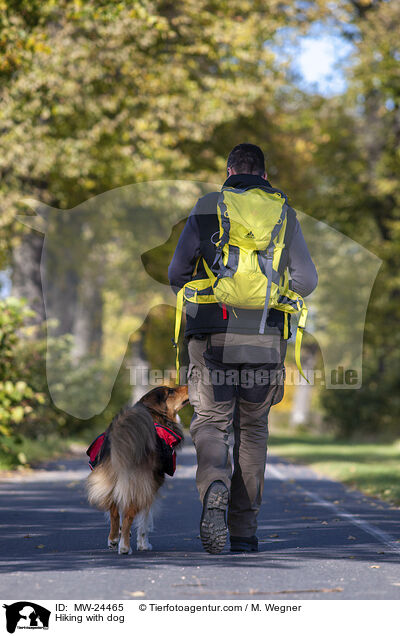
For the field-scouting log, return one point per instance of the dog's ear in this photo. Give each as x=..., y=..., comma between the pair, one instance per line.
x=156, y=397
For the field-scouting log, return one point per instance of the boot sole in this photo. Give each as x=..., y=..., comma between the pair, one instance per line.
x=213, y=527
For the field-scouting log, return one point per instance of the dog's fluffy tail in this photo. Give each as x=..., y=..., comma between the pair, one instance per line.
x=100, y=485
x=132, y=439
x=126, y=475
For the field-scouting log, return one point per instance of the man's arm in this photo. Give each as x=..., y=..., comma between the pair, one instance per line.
x=186, y=254
x=302, y=270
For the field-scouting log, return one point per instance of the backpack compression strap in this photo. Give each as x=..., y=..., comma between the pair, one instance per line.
x=179, y=311
x=268, y=267
x=178, y=320
x=299, y=337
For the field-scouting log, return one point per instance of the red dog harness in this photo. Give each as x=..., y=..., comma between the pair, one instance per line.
x=94, y=450
x=167, y=439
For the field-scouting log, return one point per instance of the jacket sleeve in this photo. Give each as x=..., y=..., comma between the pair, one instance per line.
x=301, y=268
x=186, y=254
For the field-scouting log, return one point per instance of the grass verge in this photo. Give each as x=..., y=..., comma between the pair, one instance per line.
x=373, y=468
x=30, y=452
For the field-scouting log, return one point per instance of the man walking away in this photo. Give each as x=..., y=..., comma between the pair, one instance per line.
x=235, y=372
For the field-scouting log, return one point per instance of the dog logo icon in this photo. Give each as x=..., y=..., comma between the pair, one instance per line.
x=26, y=615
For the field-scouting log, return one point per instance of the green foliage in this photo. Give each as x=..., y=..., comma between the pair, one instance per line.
x=98, y=94
x=84, y=381
x=356, y=154
x=157, y=338
x=371, y=410
x=18, y=398
x=27, y=411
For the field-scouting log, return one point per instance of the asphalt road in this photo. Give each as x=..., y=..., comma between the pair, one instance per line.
x=317, y=541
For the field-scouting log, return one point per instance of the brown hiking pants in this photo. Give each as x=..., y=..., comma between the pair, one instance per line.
x=233, y=380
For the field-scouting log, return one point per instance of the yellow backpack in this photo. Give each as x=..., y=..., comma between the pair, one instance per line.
x=245, y=272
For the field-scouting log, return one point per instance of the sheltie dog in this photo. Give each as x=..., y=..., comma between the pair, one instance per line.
x=130, y=468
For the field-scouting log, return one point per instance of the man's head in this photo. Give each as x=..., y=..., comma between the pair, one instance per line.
x=246, y=159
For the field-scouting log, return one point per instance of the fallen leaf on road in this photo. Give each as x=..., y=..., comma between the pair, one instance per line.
x=374, y=567
x=138, y=593
x=39, y=546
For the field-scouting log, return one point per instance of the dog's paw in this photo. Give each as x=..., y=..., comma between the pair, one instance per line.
x=124, y=549
x=113, y=544
x=143, y=544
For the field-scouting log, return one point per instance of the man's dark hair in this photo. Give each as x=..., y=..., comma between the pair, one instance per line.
x=247, y=159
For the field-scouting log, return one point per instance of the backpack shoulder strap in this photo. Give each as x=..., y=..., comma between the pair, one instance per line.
x=225, y=226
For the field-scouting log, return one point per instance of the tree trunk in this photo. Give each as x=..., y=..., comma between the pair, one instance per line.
x=303, y=393
x=139, y=371
x=88, y=319
x=25, y=274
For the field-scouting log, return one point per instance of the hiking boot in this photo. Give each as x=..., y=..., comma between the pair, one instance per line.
x=244, y=544
x=213, y=528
